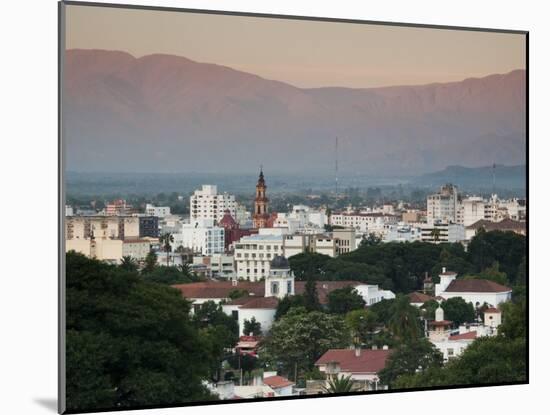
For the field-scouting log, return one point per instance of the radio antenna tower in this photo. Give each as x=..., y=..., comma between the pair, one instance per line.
x=494, y=178
x=336, y=167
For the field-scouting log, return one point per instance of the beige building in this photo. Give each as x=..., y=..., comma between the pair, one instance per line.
x=104, y=249
x=116, y=227
x=138, y=248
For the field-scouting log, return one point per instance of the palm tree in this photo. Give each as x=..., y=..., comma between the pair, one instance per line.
x=166, y=240
x=339, y=385
x=128, y=263
x=404, y=323
x=435, y=233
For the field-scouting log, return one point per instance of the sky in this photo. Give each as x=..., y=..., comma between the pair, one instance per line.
x=306, y=54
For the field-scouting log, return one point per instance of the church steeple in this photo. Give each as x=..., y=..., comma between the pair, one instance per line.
x=261, y=203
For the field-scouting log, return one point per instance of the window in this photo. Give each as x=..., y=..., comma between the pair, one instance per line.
x=289, y=287
x=235, y=314
x=274, y=288
x=450, y=352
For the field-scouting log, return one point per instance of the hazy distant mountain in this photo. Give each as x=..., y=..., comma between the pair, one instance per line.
x=479, y=178
x=168, y=113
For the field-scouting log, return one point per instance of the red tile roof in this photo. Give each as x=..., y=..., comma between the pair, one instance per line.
x=221, y=289
x=440, y=323
x=369, y=361
x=504, y=225
x=211, y=289
x=417, y=297
x=464, y=336
x=492, y=310
x=450, y=273
x=476, y=286
x=262, y=302
x=277, y=382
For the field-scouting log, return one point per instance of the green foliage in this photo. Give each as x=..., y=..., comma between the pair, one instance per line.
x=150, y=262
x=371, y=240
x=166, y=241
x=344, y=300
x=311, y=297
x=514, y=320
x=404, y=322
x=166, y=275
x=299, y=338
x=288, y=302
x=307, y=263
x=245, y=362
x=237, y=293
x=339, y=385
x=487, y=360
x=410, y=358
x=129, y=264
x=362, y=324
x=252, y=327
x=219, y=330
x=129, y=342
x=507, y=248
x=492, y=273
x=458, y=311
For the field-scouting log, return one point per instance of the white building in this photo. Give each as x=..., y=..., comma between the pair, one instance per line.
x=138, y=248
x=201, y=235
x=69, y=210
x=475, y=291
x=364, y=222
x=160, y=211
x=438, y=232
x=403, y=233
x=207, y=203
x=254, y=253
x=444, y=205
x=372, y=294
x=473, y=210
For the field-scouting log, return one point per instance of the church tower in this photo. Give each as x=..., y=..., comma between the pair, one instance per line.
x=260, y=203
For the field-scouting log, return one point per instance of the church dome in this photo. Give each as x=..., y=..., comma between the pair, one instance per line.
x=280, y=262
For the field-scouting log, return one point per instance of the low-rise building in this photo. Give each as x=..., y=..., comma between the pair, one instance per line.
x=362, y=365
x=159, y=211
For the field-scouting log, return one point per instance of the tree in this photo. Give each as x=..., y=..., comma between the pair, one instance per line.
x=435, y=234
x=491, y=273
x=514, y=320
x=129, y=264
x=167, y=275
x=404, y=323
x=150, y=262
x=507, y=248
x=307, y=263
x=299, y=338
x=410, y=358
x=166, y=240
x=129, y=342
x=288, y=302
x=458, y=311
x=371, y=240
x=488, y=360
x=252, y=327
x=362, y=324
x=311, y=298
x=339, y=385
x=344, y=300
x=237, y=293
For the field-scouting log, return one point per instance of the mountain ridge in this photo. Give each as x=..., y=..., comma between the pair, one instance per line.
x=176, y=110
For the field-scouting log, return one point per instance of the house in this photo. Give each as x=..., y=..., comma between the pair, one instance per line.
x=475, y=291
x=505, y=225
x=248, y=345
x=362, y=365
x=280, y=385
x=418, y=299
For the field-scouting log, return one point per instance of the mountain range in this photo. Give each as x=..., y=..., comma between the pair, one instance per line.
x=165, y=113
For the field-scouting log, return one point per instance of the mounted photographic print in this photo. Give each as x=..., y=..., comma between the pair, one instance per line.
x=263, y=207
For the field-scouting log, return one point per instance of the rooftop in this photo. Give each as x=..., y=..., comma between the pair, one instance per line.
x=368, y=361
x=476, y=286
x=464, y=336
x=416, y=297
x=277, y=382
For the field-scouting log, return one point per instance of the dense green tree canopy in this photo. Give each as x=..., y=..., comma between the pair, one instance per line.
x=344, y=300
x=362, y=325
x=129, y=342
x=252, y=327
x=410, y=358
x=299, y=338
x=167, y=275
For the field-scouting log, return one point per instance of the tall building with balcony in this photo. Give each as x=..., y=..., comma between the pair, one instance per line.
x=207, y=203
x=444, y=205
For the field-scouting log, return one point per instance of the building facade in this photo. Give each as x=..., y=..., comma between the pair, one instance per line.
x=207, y=203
